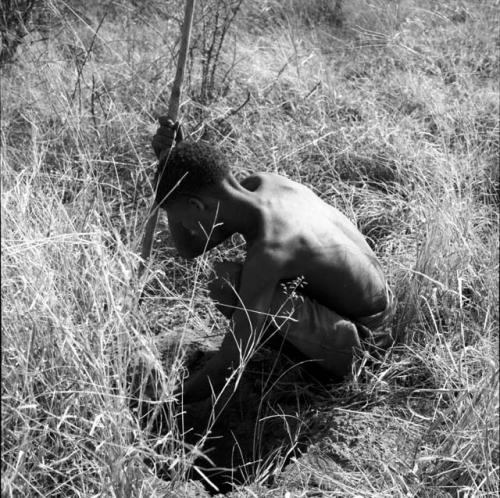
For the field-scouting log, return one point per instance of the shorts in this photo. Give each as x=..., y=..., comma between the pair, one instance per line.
x=324, y=336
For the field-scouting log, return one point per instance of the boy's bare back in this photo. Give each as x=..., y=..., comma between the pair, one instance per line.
x=319, y=243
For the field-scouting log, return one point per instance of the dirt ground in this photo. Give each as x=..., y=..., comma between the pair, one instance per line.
x=281, y=424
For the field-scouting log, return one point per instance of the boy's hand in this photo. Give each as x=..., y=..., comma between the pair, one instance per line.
x=165, y=135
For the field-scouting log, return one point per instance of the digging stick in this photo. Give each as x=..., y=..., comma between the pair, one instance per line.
x=173, y=110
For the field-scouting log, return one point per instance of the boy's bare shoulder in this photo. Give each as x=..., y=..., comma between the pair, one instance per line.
x=270, y=183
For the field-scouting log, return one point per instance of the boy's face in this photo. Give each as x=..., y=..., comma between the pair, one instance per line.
x=193, y=214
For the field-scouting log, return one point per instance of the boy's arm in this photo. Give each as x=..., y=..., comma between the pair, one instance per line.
x=259, y=279
x=191, y=244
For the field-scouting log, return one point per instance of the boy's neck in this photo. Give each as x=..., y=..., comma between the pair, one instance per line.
x=239, y=209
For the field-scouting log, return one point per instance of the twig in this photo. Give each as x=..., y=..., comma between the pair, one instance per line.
x=87, y=55
x=232, y=112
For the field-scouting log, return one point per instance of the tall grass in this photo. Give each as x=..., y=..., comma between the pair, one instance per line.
x=388, y=110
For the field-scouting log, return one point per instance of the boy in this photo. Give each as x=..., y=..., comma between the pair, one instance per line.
x=291, y=235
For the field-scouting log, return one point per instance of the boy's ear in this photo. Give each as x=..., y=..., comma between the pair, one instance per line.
x=196, y=203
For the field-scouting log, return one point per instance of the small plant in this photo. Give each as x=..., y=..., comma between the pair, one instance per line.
x=212, y=28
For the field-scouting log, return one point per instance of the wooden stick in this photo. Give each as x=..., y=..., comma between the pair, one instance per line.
x=173, y=110
x=173, y=105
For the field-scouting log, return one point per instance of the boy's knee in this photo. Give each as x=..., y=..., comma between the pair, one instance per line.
x=346, y=342
x=345, y=335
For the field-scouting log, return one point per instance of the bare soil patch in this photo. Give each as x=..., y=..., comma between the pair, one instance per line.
x=278, y=426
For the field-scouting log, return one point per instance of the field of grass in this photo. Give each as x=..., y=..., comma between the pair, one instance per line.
x=387, y=109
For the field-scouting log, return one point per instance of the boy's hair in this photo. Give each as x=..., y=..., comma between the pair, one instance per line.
x=190, y=167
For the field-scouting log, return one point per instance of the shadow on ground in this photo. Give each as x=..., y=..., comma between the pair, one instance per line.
x=261, y=428
x=287, y=425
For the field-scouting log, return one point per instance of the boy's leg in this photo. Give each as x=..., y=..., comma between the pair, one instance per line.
x=317, y=332
x=375, y=331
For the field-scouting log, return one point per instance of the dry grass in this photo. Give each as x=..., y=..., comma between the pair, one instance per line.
x=388, y=110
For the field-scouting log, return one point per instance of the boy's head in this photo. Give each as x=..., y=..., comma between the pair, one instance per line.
x=192, y=168
x=188, y=186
